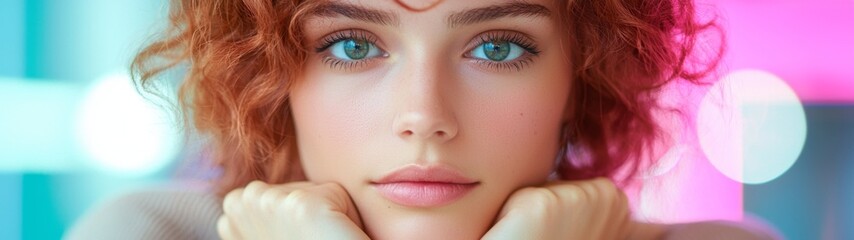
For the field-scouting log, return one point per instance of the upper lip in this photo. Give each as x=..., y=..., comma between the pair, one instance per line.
x=434, y=174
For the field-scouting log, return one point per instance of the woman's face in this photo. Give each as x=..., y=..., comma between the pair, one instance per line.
x=431, y=119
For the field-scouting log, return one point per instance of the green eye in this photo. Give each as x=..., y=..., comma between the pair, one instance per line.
x=353, y=49
x=498, y=51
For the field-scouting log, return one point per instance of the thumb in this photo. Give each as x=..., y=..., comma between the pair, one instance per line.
x=341, y=201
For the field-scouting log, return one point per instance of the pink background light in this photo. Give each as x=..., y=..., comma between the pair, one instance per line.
x=809, y=44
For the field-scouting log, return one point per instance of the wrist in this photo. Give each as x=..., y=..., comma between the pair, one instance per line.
x=648, y=231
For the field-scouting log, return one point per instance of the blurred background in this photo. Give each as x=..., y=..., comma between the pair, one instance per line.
x=775, y=145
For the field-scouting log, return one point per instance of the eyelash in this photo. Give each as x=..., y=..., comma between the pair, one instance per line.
x=517, y=38
x=336, y=37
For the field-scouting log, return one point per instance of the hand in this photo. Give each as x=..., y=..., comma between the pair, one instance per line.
x=298, y=210
x=590, y=209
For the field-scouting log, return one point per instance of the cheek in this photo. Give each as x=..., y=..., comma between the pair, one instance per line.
x=523, y=138
x=518, y=132
x=330, y=124
x=521, y=120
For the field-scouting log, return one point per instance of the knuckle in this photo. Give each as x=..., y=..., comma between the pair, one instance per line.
x=533, y=200
x=333, y=186
x=297, y=196
x=296, y=201
x=540, y=196
x=606, y=184
x=270, y=198
x=607, y=190
x=255, y=186
x=334, y=191
x=591, y=190
x=572, y=194
x=223, y=228
x=232, y=201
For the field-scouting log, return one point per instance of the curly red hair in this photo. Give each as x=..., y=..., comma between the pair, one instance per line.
x=242, y=63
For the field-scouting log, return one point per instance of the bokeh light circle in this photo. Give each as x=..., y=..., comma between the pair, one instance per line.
x=751, y=126
x=667, y=162
x=122, y=132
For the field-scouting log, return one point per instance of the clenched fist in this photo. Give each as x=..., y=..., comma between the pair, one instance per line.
x=588, y=209
x=298, y=210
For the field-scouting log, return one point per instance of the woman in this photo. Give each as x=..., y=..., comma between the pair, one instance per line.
x=422, y=119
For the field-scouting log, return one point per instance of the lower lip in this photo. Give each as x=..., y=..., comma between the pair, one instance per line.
x=423, y=194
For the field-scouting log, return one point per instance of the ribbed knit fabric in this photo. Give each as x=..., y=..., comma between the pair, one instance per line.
x=162, y=214
x=192, y=214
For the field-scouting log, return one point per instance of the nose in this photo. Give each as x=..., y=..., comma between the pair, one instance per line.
x=424, y=111
x=425, y=125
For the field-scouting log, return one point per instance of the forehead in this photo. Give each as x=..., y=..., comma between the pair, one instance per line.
x=439, y=5
x=454, y=12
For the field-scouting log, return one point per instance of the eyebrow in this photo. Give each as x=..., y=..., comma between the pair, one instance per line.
x=331, y=9
x=466, y=17
x=512, y=9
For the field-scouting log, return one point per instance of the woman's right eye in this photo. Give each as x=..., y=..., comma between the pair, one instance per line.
x=351, y=49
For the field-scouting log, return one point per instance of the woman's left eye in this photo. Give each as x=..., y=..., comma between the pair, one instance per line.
x=497, y=51
x=350, y=49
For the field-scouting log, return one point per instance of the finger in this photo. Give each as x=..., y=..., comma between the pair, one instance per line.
x=612, y=208
x=270, y=199
x=614, y=205
x=294, y=185
x=254, y=188
x=532, y=200
x=251, y=193
x=275, y=194
x=512, y=226
x=340, y=201
x=623, y=211
x=225, y=230
x=571, y=193
x=231, y=204
x=600, y=203
x=585, y=201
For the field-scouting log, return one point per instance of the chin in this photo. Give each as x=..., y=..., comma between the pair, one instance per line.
x=465, y=219
x=426, y=225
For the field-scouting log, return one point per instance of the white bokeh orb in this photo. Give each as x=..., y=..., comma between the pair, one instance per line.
x=751, y=126
x=123, y=133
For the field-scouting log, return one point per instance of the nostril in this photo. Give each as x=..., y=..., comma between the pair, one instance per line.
x=440, y=133
x=407, y=133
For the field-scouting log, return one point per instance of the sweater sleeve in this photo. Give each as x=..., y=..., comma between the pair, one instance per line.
x=152, y=214
x=750, y=230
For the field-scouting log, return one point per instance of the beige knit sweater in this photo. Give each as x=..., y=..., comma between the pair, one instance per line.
x=162, y=214
x=192, y=214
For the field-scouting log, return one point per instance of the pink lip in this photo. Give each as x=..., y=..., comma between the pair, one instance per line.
x=417, y=186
